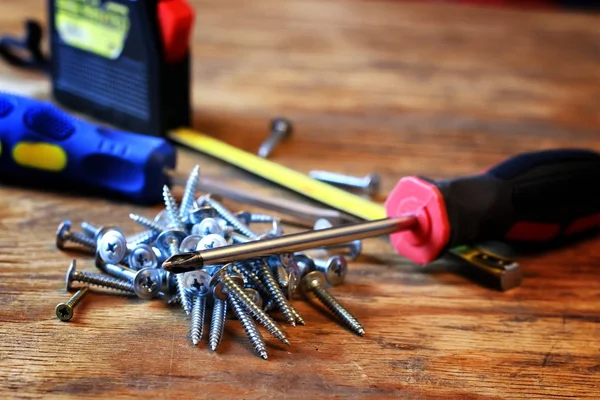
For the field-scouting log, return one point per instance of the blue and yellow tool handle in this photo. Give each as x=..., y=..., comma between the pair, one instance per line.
x=40, y=144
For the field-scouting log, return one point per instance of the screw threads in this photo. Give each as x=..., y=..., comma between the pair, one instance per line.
x=77, y=297
x=253, y=278
x=141, y=238
x=89, y=229
x=119, y=272
x=283, y=278
x=276, y=293
x=258, y=218
x=146, y=223
x=249, y=326
x=338, y=309
x=173, y=247
x=176, y=298
x=229, y=217
x=189, y=193
x=217, y=324
x=256, y=312
x=183, y=294
x=104, y=281
x=83, y=240
x=171, y=208
x=197, y=320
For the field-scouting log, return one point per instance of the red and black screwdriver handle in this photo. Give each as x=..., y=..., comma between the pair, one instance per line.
x=538, y=196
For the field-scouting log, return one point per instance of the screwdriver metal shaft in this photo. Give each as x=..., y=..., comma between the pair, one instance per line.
x=288, y=243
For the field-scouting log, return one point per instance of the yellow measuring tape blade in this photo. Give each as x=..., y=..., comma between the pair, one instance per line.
x=286, y=177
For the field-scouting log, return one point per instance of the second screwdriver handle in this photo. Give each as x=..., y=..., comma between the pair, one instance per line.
x=41, y=144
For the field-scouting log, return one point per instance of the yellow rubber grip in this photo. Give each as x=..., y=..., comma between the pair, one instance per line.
x=49, y=157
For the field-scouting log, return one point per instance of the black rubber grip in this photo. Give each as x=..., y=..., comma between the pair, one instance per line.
x=534, y=196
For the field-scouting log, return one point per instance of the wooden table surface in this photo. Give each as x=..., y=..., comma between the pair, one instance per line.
x=372, y=86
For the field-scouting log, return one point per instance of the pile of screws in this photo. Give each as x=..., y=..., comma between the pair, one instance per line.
x=251, y=288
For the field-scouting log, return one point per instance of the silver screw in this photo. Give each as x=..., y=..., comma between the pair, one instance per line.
x=112, y=246
x=171, y=208
x=169, y=241
x=314, y=282
x=145, y=237
x=64, y=311
x=147, y=223
x=252, y=278
x=219, y=315
x=229, y=217
x=189, y=193
x=95, y=279
x=250, y=327
x=369, y=183
x=264, y=319
x=197, y=316
x=202, y=212
x=190, y=243
x=209, y=226
x=64, y=235
x=334, y=269
x=275, y=291
x=146, y=281
x=142, y=256
x=280, y=129
x=283, y=278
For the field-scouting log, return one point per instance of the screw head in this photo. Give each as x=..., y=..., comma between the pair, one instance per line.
x=372, y=183
x=62, y=234
x=142, y=256
x=304, y=264
x=243, y=216
x=162, y=218
x=311, y=280
x=166, y=237
x=322, y=223
x=210, y=226
x=355, y=248
x=198, y=214
x=190, y=243
x=64, y=312
x=254, y=296
x=106, y=229
x=211, y=241
x=282, y=126
x=335, y=270
x=197, y=281
x=70, y=274
x=112, y=246
x=147, y=283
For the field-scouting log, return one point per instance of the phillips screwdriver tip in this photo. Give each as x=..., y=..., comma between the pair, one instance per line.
x=183, y=262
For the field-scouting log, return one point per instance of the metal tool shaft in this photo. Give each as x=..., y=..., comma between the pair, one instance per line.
x=289, y=243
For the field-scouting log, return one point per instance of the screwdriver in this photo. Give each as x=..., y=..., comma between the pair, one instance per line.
x=536, y=197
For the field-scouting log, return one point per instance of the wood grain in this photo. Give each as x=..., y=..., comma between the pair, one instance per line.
x=396, y=88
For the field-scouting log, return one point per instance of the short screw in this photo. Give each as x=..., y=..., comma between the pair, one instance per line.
x=281, y=128
x=334, y=269
x=64, y=311
x=264, y=319
x=147, y=223
x=315, y=282
x=217, y=324
x=250, y=327
x=64, y=235
x=189, y=193
x=197, y=316
x=369, y=183
x=229, y=217
x=171, y=208
x=95, y=279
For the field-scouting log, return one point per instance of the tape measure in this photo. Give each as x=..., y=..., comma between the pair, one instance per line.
x=283, y=176
x=123, y=62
